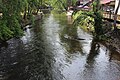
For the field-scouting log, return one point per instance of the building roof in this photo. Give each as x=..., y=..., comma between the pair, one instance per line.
x=106, y=1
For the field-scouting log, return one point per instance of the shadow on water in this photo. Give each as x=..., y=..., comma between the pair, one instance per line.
x=94, y=51
x=98, y=63
x=10, y=58
x=3, y=44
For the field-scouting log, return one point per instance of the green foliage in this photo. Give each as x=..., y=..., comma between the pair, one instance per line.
x=10, y=26
x=102, y=38
x=82, y=19
x=5, y=32
x=10, y=21
x=58, y=4
x=62, y=4
x=80, y=16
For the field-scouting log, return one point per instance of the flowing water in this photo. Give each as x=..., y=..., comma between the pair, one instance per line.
x=56, y=50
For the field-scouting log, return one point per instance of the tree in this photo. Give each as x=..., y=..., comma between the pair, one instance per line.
x=12, y=10
x=95, y=14
x=9, y=22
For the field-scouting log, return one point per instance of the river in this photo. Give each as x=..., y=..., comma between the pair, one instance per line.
x=56, y=50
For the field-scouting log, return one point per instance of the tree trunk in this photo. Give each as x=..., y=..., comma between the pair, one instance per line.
x=115, y=15
x=25, y=14
x=69, y=3
x=37, y=10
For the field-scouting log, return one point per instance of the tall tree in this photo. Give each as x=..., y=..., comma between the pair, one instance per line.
x=97, y=18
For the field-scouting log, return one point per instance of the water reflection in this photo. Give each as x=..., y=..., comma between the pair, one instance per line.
x=27, y=34
x=69, y=19
x=68, y=37
x=40, y=58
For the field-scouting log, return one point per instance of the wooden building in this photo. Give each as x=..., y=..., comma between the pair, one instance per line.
x=109, y=7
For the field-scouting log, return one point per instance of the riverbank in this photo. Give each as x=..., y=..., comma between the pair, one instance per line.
x=114, y=41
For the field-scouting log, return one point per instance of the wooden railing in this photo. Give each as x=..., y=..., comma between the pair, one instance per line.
x=110, y=15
